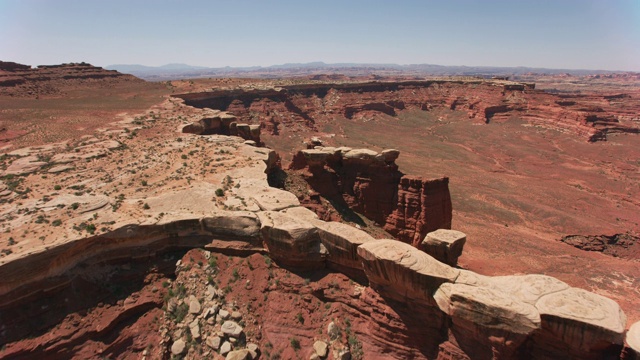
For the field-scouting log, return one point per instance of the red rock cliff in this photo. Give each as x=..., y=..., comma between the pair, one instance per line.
x=408, y=207
x=301, y=107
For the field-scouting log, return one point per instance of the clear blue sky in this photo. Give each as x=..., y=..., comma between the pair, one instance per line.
x=574, y=34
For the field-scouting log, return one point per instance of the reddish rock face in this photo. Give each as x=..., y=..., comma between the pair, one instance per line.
x=423, y=206
x=24, y=81
x=299, y=107
x=407, y=207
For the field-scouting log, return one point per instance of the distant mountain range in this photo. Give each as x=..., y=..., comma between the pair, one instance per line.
x=184, y=71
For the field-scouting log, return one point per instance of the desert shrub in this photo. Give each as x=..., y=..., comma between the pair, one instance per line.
x=295, y=344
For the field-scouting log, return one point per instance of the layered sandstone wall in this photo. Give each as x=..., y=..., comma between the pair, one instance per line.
x=290, y=107
x=507, y=317
x=407, y=207
x=23, y=80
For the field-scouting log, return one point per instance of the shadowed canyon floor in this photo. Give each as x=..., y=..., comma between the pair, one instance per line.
x=76, y=209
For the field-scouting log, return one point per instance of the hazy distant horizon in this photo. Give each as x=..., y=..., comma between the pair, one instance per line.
x=568, y=34
x=195, y=67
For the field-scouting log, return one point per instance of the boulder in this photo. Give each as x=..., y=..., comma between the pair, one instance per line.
x=243, y=354
x=236, y=315
x=254, y=350
x=178, y=347
x=321, y=348
x=194, y=305
x=231, y=329
x=214, y=342
x=388, y=155
x=225, y=348
x=633, y=341
x=224, y=314
x=444, y=245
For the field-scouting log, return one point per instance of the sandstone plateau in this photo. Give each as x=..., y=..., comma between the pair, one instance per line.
x=173, y=230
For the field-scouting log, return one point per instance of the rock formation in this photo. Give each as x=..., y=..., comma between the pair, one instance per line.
x=133, y=205
x=25, y=81
x=222, y=123
x=369, y=182
x=444, y=245
x=619, y=245
x=485, y=101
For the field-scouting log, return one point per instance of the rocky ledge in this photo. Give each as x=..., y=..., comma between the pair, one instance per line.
x=228, y=207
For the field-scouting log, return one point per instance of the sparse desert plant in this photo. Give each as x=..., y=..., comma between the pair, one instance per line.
x=213, y=262
x=219, y=192
x=295, y=343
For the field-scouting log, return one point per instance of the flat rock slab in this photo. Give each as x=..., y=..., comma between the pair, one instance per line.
x=360, y=154
x=25, y=165
x=527, y=288
x=301, y=213
x=60, y=168
x=272, y=199
x=580, y=317
x=403, y=268
x=488, y=308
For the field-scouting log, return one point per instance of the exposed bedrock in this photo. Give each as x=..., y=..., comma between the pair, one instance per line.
x=368, y=182
x=530, y=316
x=222, y=123
x=625, y=245
x=526, y=316
x=291, y=107
x=23, y=80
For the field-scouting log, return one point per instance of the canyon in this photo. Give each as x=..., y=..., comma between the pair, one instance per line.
x=175, y=230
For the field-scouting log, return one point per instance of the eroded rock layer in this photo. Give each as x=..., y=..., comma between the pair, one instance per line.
x=288, y=107
x=407, y=207
x=25, y=81
x=211, y=192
